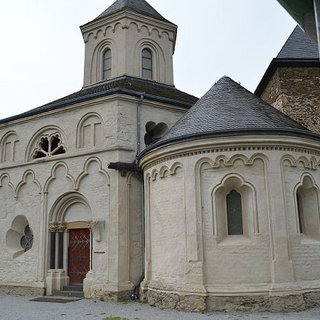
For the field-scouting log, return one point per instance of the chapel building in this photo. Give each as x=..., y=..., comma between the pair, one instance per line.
x=132, y=187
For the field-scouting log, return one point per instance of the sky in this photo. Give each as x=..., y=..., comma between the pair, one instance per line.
x=42, y=50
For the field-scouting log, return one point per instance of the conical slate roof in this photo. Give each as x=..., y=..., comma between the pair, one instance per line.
x=299, y=46
x=228, y=108
x=138, y=6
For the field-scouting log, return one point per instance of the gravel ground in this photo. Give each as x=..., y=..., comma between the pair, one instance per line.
x=21, y=308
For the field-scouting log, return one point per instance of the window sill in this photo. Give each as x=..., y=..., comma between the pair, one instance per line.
x=305, y=239
x=235, y=240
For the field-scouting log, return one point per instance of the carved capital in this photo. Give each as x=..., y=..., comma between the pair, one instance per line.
x=57, y=226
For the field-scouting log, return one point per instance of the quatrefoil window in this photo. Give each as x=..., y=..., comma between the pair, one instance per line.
x=26, y=241
x=19, y=238
x=48, y=146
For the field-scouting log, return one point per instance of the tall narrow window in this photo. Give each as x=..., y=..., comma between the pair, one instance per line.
x=234, y=213
x=300, y=213
x=147, y=64
x=107, y=64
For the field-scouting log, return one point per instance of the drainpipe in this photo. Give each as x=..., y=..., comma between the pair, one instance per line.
x=134, y=294
x=316, y=4
x=139, y=125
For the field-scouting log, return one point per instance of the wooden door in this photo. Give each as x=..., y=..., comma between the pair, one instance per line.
x=78, y=255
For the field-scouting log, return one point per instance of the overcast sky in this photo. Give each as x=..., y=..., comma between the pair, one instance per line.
x=42, y=51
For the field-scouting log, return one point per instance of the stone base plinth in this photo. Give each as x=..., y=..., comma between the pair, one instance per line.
x=168, y=300
x=22, y=291
x=200, y=303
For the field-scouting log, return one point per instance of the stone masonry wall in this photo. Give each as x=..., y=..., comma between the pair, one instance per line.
x=296, y=92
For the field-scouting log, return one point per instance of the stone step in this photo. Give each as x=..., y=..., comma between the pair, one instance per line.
x=73, y=288
x=69, y=293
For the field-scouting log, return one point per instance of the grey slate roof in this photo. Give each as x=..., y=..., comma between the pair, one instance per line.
x=298, y=51
x=123, y=85
x=299, y=46
x=228, y=108
x=138, y=6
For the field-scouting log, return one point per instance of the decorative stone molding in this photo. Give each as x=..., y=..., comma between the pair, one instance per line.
x=125, y=21
x=57, y=226
x=231, y=148
x=165, y=171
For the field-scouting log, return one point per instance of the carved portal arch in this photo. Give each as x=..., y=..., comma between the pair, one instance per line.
x=59, y=210
x=70, y=221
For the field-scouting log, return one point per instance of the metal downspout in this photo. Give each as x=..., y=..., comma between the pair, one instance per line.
x=134, y=292
x=316, y=4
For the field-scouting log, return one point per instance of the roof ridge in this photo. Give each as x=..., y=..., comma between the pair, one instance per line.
x=137, y=6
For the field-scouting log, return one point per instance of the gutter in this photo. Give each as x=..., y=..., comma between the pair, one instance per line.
x=119, y=90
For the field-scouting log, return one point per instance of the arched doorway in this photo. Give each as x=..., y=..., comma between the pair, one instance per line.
x=69, y=258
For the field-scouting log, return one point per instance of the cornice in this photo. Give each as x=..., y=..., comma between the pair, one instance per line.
x=225, y=145
x=125, y=19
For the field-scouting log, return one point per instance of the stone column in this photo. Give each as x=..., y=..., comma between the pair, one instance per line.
x=281, y=265
x=194, y=260
x=57, y=275
x=118, y=229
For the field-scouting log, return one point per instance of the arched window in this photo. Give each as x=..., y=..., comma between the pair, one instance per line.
x=107, y=64
x=234, y=213
x=48, y=146
x=300, y=212
x=234, y=210
x=147, y=64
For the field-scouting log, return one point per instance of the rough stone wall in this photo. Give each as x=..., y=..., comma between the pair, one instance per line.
x=296, y=92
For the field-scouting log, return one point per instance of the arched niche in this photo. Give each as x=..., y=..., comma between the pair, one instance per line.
x=234, y=191
x=90, y=131
x=8, y=147
x=307, y=207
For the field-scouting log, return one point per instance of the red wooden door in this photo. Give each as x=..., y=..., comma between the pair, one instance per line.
x=78, y=255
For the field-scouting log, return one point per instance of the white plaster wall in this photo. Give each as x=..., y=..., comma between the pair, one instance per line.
x=270, y=256
x=167, y=230
x=304, y=249
x=13, y=262
x=235, y=259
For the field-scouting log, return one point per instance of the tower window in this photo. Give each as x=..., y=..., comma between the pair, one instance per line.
x=234, y=213
x=107, y=64
x=147, y=64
